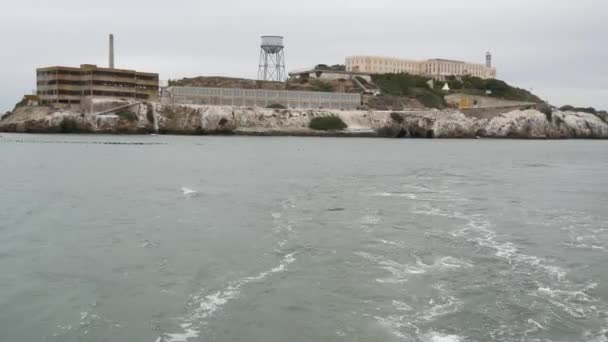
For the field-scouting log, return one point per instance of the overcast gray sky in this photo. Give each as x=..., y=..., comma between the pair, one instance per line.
x=557, y=48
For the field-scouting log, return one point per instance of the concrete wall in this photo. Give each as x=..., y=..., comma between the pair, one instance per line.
x=466, y=101
x=260, y=98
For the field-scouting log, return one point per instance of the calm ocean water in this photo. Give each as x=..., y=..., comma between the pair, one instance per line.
x=160, y=238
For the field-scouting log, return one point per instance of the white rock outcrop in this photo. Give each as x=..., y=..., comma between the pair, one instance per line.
x=152, y=117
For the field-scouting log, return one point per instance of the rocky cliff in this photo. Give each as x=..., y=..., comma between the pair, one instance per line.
x=168, y=119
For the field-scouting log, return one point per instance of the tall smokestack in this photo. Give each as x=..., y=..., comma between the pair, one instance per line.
x=111, y=62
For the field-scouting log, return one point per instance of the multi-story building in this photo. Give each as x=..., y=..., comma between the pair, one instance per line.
x=69, y=85
x=435, y=68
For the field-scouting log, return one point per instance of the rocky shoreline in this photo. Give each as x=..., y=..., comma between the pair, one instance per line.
x=146, y=118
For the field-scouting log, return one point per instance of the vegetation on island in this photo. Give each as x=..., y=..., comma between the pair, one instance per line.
x=602, y=114
x=410, y=86
x=490, y=87
x=430, y=93
x=69, y=125
x=590, y=110
x=317, y=85
x=335, y=67
x=397, y=117
x=150, y=113
x=327, y=123
x=276, y=106
x=127, y=115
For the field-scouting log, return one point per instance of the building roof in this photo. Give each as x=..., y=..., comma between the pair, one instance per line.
x=449, y=61
x=341, y=72
x=94, y=67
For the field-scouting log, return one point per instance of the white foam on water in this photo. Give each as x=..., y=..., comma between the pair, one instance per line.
x=371, y=219
x=399, y=271
x=276, y=216
x=187, y=191
x=451, y=262
x=183, y=337
x=574, y=303
x=477, y=230
x=446, y=305
x=206, y=306
x=148, y=244
x=396, y=194
x=392, y=243
x=536, y=324
x=600, y=336
x=394, y=325
x=571, y=295
x=448, y=262
x=401, y=306
x=438, y=337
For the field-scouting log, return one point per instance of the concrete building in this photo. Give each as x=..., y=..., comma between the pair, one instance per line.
x=435, y=68
x=260, y=98
x=67, y=85
x=328, y=75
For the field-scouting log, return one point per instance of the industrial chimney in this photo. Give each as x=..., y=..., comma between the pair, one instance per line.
x=111, y=61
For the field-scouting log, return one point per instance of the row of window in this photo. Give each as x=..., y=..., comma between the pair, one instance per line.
x=63, y=92
x=263, y=103
x=97, y=83
x=192, y=91
x=62, y=72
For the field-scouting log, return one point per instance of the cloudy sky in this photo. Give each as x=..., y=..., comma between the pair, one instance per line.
x=556, y=48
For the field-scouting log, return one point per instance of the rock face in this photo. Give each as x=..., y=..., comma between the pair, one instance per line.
x=168, y=119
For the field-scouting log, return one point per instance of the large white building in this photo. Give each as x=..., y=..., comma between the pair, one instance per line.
x=435, y=68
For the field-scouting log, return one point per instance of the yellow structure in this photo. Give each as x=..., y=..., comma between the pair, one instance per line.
x=435, y=68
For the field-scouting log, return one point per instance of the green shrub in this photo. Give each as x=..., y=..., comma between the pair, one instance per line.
x=150, y=114
x=545, y=109
x=568, y=108
x=276, y=106
x=455, y=84
x=327, y=123
x=399, y=84
x=431, y=99
x=322, y=86
x=127, y=115
x=68, y=125
x=411, y=86
x=498, y=88
x=6, y=115
x=397, y=117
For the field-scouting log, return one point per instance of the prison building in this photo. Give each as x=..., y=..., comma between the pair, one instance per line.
x=435, y=68
x=261, y=98
x=70, y=85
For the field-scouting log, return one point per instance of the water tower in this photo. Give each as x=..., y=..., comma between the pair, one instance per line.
x=272, y=59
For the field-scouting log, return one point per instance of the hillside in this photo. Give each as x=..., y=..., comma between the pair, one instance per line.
x=417, y=87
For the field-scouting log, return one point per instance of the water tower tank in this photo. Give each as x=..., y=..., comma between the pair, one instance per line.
x=272, y=44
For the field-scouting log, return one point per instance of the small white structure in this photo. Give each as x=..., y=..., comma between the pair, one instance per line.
x=446, y=87
x=329, y=75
